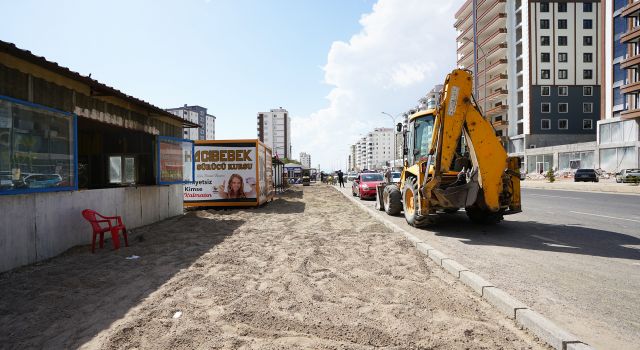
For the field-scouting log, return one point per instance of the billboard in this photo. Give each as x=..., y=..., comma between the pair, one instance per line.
x=225, y=172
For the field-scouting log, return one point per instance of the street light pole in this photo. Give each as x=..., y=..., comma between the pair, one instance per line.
x=393, y=130
x=484, y=56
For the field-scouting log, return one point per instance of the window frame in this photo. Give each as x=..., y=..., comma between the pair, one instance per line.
x=544, y=7
x=562, y=55
x=562, y=7
x=585, y=104
x=74, y=150
x=542, y=74
x=562, y=23
x=548, y=104
x=563, y=88
x=566, y=74
x=590, y=124
x=587, y=21
x=584, y=74
x=542, y=88
x=587, y=40
x=560, y=104
x=542, y=124
x=543, y=38
x=546, y=55
x=563, y=40
x=590, y=89
x=587, y=7
x=589, y=55
x=566, y=125
x=544, y=23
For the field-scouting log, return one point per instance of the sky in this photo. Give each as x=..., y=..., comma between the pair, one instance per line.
x=335, y=65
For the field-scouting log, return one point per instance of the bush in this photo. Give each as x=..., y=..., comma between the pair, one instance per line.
x=551, y=176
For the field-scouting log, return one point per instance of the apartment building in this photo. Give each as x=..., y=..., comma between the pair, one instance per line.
x=274, y=129
x=373, y=151
x=539, y=72
x=305, y=159
x=619, y=132
x=198, y=115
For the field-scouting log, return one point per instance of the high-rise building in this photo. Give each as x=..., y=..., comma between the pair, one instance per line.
x=538, y=70
x=274, y=129
x=374, y=151
x=305, y=159
x=619, y=132
x=199, y=115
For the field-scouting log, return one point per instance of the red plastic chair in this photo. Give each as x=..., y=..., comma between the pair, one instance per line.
x=96, y=220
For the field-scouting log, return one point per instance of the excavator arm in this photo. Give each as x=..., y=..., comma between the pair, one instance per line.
x=497, y=174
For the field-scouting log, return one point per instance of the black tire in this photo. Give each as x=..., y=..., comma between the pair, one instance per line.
x=392, y=199
x=410, y=204
x=353, y=193
x=451, y=210
x=480, y=216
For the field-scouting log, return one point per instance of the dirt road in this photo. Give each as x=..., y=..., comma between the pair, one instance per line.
x=307, y=271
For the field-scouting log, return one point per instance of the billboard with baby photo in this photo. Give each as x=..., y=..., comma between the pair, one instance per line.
x=224, y=172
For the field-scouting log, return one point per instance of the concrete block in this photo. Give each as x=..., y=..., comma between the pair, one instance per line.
x=437, y=256
x=17, y=231
x=474, y=281
x=503, y=301
x=176, y=198
x=579, y=346
x=545, y=329
x=424, y=248
x=453, y=267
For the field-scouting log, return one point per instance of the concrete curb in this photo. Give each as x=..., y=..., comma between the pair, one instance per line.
x=532, y=321
x=582, y=187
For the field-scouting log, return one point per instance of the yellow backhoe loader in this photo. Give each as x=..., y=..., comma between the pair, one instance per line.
x=452, y=160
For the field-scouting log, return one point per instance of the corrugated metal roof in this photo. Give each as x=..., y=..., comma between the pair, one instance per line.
x=96, y=87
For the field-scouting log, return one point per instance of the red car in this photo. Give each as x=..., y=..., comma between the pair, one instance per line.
x=364, y=186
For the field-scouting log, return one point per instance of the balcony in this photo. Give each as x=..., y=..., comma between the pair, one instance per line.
x=496, y=110
x=630, y=61
x=466, y=7
x=498, y=79
x=497, y=95
x=494, y=8
x=500, y=123
x=632, y=35
x=631, y=9
x=630, y=114
x=494, y=67
x=630, y=88
x=499, y=36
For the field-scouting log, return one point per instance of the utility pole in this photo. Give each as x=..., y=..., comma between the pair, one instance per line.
x=393, y=130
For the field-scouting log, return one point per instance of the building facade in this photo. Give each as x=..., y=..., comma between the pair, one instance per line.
x=198, y=115
x=619, y=132
x=274, y=129
x=305, y=159
x=539, y=70
x=374, y=151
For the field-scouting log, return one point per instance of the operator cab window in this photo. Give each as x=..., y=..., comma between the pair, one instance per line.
x=424, y=132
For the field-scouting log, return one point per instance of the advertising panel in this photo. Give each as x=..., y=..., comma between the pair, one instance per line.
x=225, y=172
x=175, y=160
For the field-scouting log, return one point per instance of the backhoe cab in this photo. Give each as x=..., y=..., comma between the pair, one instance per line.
x=453, y=159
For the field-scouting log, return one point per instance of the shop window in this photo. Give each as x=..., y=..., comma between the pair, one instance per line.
x=37, y=148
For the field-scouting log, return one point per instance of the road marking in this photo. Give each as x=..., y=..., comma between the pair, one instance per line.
x=603, y=216
x=546, y=195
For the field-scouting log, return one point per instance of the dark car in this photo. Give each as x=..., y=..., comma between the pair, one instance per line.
x=364, y=186
x=585, y=175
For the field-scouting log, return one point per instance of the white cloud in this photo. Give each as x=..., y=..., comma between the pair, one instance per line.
x=403, y=49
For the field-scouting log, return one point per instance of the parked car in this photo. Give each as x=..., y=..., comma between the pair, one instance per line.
x=395, y=177
x=6, y=182
x=364, y=186
x=628, y=175
x=42, y=180
x=585, y=175
x=352, y=176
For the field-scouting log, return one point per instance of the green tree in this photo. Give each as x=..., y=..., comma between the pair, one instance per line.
x=551, y=176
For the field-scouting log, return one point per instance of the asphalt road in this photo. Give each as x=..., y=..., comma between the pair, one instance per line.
x=572, y=256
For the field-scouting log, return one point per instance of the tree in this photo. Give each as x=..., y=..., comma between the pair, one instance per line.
x=550, y=175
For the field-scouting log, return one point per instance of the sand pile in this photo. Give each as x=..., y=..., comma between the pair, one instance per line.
x=309, y=270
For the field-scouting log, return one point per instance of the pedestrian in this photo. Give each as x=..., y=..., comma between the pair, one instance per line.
x=387, y=176
x=340, y=178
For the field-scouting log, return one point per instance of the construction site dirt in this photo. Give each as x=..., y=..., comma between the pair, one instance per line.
x=307, y=271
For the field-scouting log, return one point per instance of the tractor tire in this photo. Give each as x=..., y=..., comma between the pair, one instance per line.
x=451, y=210
x=392, y=199
x=484, y=217
x=410, y=199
